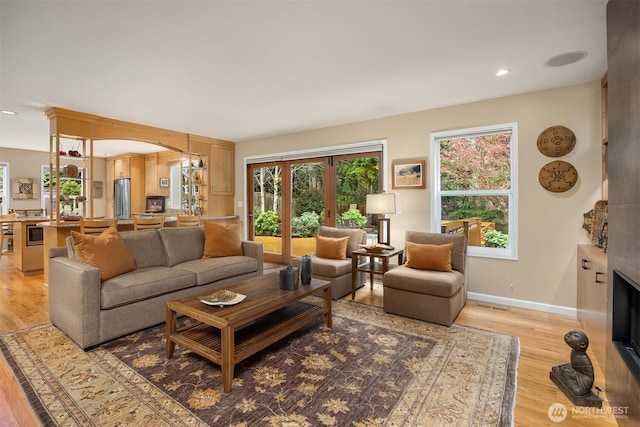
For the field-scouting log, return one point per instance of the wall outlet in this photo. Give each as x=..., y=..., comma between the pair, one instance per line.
x=239, y=203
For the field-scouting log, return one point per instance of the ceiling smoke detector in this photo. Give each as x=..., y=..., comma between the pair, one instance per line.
x=565, y=58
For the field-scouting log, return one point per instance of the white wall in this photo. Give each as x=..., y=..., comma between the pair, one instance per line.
x=28, y=163
x=550, y=224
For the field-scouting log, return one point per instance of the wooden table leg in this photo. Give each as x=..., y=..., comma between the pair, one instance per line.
x=327, y=307
x=228, y=362
x=354, y=274
x=171, y=329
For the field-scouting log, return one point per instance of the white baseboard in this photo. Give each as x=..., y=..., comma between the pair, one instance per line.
x=530, y=305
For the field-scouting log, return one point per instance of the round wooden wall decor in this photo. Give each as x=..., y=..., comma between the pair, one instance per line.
x=558, y=176
x=556, y=141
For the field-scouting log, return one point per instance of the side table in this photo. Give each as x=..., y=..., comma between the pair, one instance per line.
x=378, y=263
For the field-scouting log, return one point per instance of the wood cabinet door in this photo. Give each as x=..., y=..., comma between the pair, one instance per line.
x=222, y=169
x=122, y=168
x=151, y=183
x=108, y=187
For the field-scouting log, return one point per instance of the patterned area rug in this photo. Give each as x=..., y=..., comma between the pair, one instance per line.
x=369, y=369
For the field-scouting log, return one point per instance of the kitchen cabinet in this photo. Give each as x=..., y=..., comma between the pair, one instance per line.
x=130, y=166
x=592, y=298
x=222, y=168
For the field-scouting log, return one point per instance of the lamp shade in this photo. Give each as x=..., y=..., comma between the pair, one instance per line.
x=384, y=203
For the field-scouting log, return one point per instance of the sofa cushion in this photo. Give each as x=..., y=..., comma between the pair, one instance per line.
x=459, y=254
x=106, y=251
x=326, y=267
x=356, y=236
x=429, y=257
x=182, y=244
x=221, y=240
x=146, y=247
x=331, y=247
x=438, y=283
x=209, y=270
x=142, y=284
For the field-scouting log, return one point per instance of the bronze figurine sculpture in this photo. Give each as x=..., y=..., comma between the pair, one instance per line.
x=575, y=379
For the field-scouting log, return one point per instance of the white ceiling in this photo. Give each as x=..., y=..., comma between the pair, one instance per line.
x=238, y=70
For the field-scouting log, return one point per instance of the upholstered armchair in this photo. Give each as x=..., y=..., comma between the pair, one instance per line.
x=432, y=284
x=327, y=264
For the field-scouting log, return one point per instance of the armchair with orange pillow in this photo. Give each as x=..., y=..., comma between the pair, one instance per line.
x=332, y=258
x=432, y=284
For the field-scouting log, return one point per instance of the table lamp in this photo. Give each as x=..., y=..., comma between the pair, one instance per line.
x=382, y=204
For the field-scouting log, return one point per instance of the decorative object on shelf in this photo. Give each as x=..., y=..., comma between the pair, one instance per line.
x=164, y=182
x=556, y=141
x=201, y=163
x=24, y=188
x=408, y=174
x=558, y=176
x=305, y=270
x=587, y=219
x=70, y=171
x=384, y=203
x=289, y=278
x=575, y=379
x=599, y=223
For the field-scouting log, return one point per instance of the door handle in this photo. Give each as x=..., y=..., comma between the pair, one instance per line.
x=598, y=274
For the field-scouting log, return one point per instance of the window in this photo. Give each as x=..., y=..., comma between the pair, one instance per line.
x=4, y=187
x=475, y=187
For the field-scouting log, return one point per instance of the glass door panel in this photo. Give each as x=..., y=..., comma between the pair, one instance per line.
x=307, y=204
x=265, y=207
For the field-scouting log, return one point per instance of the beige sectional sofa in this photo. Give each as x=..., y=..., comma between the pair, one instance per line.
x=169, y=266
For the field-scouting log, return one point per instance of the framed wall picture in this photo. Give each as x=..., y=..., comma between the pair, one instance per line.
x=24, y=188
x=164, y=182
x=409, y=174
x=97, y=189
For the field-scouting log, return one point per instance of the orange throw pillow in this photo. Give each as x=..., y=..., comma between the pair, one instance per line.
x=331, y=248
x=222, y=240
x=429, y=257
x=107, y=251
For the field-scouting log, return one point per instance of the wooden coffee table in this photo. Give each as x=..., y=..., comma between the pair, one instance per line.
x=227, y=335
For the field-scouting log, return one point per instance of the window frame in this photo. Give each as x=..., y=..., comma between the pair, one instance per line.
x=5, y=192
x=436, y=194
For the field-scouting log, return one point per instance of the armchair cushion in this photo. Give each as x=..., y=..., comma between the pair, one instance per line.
x=429, y=257
x=331, y=248
x=437, y=283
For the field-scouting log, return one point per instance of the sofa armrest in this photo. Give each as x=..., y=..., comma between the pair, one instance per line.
x=254, y=250
x=74, y=300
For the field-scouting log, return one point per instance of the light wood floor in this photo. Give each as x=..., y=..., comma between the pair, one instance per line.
x=23, y=303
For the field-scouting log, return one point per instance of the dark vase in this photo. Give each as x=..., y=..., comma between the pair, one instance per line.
x=201, y=163
x=305, y=270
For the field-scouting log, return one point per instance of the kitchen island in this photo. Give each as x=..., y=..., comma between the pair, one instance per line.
x=28, y=255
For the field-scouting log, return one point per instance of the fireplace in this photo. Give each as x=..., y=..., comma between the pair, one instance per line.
x=626, y=321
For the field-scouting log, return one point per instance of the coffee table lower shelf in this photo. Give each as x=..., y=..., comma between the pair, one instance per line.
x=207, y=341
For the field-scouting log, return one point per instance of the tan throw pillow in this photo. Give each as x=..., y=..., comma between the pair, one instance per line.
x=107, y=251
x=429, y=257
x=222, y=240
x=332, y=248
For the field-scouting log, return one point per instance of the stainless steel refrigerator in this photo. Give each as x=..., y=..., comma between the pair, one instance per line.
x=122, y=198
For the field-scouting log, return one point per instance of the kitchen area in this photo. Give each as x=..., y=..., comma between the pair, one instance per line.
x=185, y=175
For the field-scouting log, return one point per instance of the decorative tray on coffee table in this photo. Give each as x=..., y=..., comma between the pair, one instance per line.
x=222, y=297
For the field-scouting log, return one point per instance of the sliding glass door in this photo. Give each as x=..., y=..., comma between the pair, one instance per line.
x=290, y=200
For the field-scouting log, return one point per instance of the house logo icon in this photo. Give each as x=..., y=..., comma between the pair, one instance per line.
x=557, y=412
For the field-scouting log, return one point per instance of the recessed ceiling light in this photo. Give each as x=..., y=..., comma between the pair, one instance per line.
x=565, y=59
x=12, y=113
x=502, y=72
